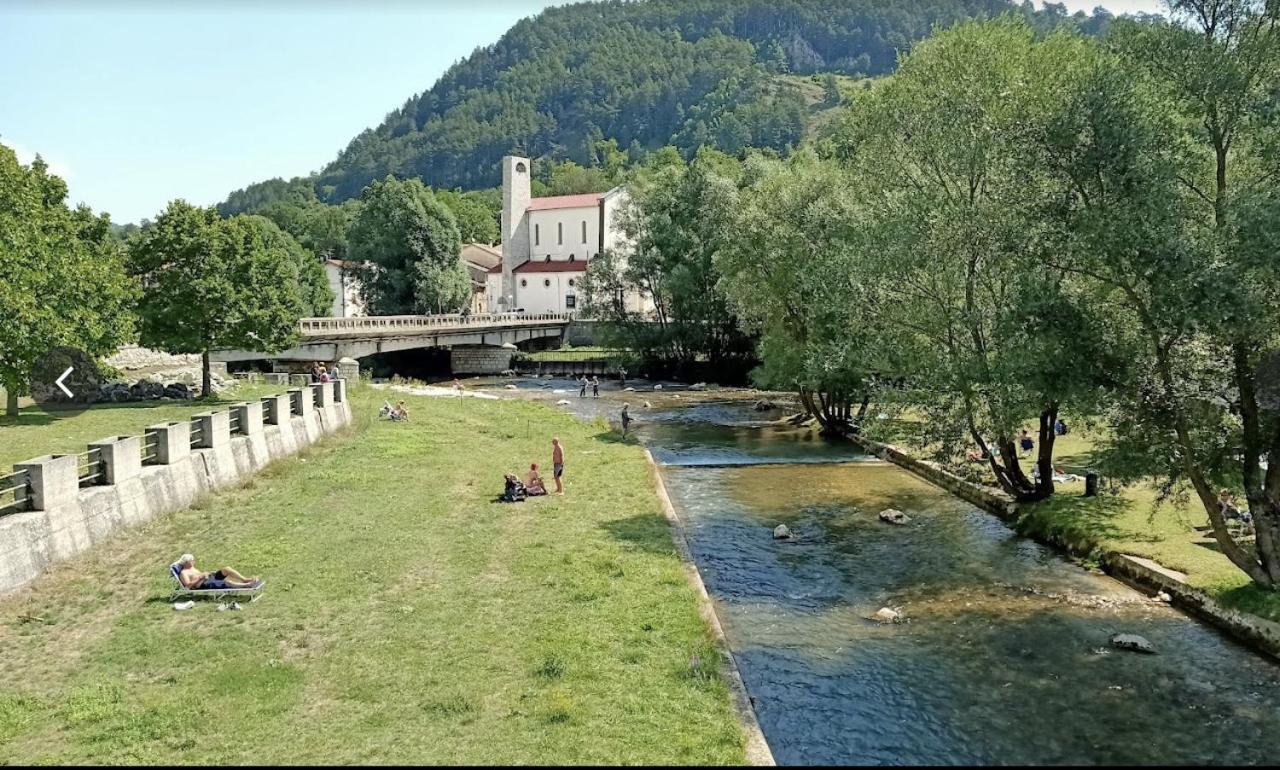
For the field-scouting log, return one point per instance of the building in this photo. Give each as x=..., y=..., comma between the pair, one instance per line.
x=548, y=243
x=345, y=287
x=479, y=259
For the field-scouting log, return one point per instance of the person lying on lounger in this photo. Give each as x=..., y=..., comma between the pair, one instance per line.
x=193, y=579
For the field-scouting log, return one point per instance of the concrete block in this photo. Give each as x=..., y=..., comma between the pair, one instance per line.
x=304, y=401
x=339, y=391
x=324, y=394
x=215, y=429
x=54, y=479
x=173, y=441
x=250, y=417
x=121, y=458
x=277, y=409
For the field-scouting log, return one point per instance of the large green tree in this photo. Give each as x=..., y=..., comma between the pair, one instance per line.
x=314, y=295
x=476, y=214
x=211, y=283
x=408, y=236
x=62, y=277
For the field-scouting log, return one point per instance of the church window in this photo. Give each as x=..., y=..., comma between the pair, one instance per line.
x=537, y=239
x=524, y=283
x=571, y=258
x=520, y=168
x=560, y=233
x=571, y=282
x=546, y=282
x=584, y=231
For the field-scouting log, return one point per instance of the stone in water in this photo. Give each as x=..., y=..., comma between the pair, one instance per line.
x=1132, y=642
x=782, y=532
x=894, y=516
x=886, y=615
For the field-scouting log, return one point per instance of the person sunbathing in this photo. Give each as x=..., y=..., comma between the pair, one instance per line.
x=400, y=414
x=193, y=579
x=534, y=485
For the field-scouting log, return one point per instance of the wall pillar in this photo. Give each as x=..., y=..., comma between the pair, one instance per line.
x=173, y=441
x=215, y=429
x=304, y=401
x=121, y=458
x=324, y=394
x=339, y=391
x=54, y=480
x=250, y=416
x=277, y=408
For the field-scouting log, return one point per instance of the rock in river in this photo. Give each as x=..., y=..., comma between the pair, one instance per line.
x=1132, y=642
x=782, y=532
x=886, y=615
x=894, y=516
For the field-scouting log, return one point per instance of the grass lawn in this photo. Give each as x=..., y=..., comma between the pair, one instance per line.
x=406, y=619
x=35, y=432
x=1133, y=520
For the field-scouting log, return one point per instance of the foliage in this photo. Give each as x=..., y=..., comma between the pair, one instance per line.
x=314, y=295
x=476, y=214
x=213, y=283
x=62, y=277
x=441, y=288
x=681, y=216
x=400, y=225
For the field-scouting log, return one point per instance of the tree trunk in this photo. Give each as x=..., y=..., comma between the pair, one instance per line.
x=1044, y=458
x=11, y=402
x=206, y=377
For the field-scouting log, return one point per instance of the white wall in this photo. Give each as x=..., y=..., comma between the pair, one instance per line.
x=543, y=233
x=537, y=297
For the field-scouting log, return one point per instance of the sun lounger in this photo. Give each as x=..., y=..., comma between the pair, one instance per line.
x=181, y=591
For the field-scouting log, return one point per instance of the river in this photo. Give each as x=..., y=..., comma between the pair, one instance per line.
x=1004, y=655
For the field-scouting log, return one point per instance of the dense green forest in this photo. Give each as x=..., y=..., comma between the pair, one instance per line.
x=647, y=74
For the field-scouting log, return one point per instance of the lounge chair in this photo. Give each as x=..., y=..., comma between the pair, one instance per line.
x=181, y=591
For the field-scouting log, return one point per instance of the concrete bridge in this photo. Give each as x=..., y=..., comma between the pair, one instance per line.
x=332, y=339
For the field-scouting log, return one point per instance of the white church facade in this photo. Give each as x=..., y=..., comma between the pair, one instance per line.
x=547, y=244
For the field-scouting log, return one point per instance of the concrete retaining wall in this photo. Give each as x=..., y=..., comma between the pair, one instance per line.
x=1143, y=574
x=479, y=360
x=68, y=519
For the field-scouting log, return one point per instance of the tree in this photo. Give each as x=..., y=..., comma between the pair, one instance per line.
x=1174, y=182
x=211, y=283
x=441, y=288
x=314, y=295
x=830, y=90
x=401, y=224
x=64, y=282
x=477, y=219
x=954, y=246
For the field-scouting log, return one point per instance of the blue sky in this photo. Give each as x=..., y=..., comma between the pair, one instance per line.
x=137, y=103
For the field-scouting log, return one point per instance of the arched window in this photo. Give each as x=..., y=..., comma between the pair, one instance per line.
x=520, y=168
x=537, y=236
x=571, y=258
x=560, y=233
x=546, y=283
x=584, y=231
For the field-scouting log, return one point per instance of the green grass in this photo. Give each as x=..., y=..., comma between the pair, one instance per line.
x=407, y=617
x=35, y=432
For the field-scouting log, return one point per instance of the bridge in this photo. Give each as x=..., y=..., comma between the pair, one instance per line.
x=332, y=339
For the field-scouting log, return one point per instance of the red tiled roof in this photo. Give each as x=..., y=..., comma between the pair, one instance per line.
x=588, y=200
x=496, y=268
x=559, y=266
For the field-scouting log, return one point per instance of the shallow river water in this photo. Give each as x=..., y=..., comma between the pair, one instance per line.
x=1004, y=657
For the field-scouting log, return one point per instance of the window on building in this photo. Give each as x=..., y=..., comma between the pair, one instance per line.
x=571, y=258
x=571, y=282
x=584, y=231
x=548, y=259
x=537, y=239
x=524, y=283
x=520, y=167
x=560, y=233
x=546, y=283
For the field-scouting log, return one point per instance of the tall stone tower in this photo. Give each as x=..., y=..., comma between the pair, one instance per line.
x=515, y=227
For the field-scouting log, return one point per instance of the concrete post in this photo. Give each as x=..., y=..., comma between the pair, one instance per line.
x=250, y=417
x=277, y=409
x=324, y=394
x=339, y=391
x=173, y=441
x=215, y=429
x=121, y=458
x=304, y=401
x=54, y=479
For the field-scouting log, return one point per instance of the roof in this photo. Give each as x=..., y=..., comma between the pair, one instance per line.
x=345, y=264
x=558, y=266
x=586, y=201
x=482, y=254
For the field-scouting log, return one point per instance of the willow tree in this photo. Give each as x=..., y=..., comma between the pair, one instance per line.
x=953, y=255
x=1169, y=168
x=791, y=272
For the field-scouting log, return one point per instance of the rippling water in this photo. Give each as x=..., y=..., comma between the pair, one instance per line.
x=1004, y=657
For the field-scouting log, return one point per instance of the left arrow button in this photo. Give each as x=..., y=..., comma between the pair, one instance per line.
x=60, y=384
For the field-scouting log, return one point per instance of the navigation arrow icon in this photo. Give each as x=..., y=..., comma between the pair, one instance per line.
x=58, y=382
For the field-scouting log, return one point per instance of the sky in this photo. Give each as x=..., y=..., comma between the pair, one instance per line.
x=137, y=103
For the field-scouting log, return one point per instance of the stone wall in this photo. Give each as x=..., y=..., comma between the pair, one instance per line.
x=167, y=469
x=480, y=360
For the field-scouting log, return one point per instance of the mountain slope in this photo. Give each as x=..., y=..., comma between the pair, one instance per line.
x=648, y=73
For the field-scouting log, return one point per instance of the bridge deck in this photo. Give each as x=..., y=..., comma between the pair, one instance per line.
x=398, y=325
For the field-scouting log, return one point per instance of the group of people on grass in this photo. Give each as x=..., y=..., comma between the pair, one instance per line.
x=516, y=490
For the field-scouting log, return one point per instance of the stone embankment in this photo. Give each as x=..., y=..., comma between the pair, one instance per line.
x=69, y=503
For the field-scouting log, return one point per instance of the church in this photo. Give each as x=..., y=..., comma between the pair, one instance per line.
x=547, y=244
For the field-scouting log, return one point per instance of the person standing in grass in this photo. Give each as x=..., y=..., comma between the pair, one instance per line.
x=557, y=464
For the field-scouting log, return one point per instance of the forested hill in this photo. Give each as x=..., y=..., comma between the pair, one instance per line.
x=646, y=73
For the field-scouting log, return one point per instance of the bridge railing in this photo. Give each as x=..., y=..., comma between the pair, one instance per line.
x=415, y=323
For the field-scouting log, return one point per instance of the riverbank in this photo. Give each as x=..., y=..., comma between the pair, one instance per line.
x=407, y=618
